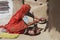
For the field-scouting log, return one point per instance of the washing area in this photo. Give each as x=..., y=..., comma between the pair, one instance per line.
x=39, y=8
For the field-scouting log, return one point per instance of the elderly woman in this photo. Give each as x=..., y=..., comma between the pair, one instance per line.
x=17, y=24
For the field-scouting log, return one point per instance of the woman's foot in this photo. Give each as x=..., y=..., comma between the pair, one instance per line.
x=32, y=33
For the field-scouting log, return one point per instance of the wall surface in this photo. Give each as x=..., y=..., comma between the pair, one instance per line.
x=54, y=18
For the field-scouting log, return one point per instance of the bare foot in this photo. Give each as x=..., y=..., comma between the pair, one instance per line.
x=31, y=32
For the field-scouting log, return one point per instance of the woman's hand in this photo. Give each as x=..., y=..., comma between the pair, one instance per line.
x=35, y=20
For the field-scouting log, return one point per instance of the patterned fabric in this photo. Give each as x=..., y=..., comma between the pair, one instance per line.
x=26, y=20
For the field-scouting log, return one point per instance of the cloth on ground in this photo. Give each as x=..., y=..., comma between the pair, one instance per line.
x=7, y=35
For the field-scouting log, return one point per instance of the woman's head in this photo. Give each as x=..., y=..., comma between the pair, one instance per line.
x=25, y=8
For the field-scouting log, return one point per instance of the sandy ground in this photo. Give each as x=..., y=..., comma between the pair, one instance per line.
x=42, y=36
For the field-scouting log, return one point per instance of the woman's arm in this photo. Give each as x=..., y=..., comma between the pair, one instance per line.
x=32, y=15
x=30, y=23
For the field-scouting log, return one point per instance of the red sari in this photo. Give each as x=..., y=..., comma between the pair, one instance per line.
x=16, y=24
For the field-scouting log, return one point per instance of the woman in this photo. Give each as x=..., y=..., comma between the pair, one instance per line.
x=16, y=24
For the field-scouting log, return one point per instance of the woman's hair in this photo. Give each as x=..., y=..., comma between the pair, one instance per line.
x=30, y=14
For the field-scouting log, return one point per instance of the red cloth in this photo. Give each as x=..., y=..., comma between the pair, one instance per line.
x=16, y=24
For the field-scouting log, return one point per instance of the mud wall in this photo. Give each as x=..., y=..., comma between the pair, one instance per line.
x=54, y=19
